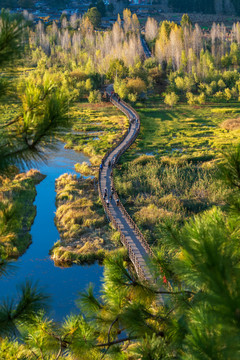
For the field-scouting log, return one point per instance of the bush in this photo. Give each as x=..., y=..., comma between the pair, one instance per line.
x=132, y=97
x=219, y=96
x=201, y=98
x=171, y=99
x=227, y=94
x=88, y=85
x=83, y=169
x=120, y=87
x=136, y=86
x=196, y=99
x=94, y=97
x=190, y=98
x=221, y=84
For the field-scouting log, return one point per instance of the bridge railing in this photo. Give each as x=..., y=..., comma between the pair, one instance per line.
x=121, y=151
x=124, y=107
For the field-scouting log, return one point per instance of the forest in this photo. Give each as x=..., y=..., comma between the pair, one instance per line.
x=180, y=182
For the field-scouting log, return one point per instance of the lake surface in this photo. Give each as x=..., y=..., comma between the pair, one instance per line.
x=63, y=284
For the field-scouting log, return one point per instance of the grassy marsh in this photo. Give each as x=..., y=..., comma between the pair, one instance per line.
x=95, y=128
x=85, y=233
x=187, y=132
x=171, y=172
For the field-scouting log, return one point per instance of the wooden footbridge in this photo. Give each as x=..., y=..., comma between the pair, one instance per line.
x=138, y=249
x=131, y=237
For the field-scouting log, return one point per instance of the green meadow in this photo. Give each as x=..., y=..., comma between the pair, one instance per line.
x=171, y=172
x=188, y=132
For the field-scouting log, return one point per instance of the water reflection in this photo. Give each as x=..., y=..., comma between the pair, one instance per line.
x=63, y=284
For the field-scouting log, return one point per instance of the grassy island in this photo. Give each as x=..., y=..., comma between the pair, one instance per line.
x=17, y=211
x=85, y=233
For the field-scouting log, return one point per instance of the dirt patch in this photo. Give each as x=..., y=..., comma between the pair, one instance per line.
x=231, y=124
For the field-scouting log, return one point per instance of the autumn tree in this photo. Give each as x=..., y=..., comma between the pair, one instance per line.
x=136, y=85
x=117, y=69
x=151, y=29
x=127, y=19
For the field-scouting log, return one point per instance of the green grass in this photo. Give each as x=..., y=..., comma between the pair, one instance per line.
x=84, y=231
x=96, y=127
x=187, y=132
x=171, y=172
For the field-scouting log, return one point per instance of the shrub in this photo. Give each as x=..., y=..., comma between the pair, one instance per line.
x=201, y=99
x=231, y=124
x=120, y=87
x=221, y=84
x=219, y=96
x=136, y=86
x=78, y=75
x=179, y=81
x=116, y=237
x=94, y=97
x=171, y=99
x=227, y=94
x=190, y=98
x=132, y=97
x=88, y=85
x=83, y=168
x=196, y=99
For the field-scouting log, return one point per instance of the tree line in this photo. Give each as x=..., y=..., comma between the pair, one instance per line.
x=200, y=65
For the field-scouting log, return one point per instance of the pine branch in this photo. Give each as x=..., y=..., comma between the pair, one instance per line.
x=12, y=121
x=110, y=328
x=175, y=292
x=119, y=341
x=109, y=332
x=33, y=107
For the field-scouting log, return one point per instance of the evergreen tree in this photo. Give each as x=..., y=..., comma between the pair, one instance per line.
x=186, y=21
x=44, y=106
x=94, y=16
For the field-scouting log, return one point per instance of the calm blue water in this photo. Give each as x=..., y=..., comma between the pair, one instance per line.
x=63, y=284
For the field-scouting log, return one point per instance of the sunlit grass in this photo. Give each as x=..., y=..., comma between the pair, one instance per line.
x=187, y=132
x=95, y=128
x=171, y=172
x=84, y=231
